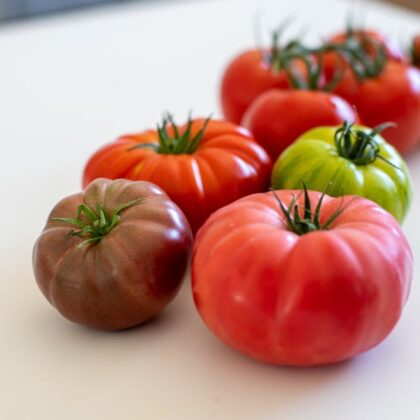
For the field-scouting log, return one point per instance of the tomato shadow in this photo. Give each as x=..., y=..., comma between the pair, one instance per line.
x=265, y=391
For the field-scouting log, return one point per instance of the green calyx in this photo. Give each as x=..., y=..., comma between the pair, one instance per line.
x=310, y=222
x=175, y=143
x=98, y=224
x=366, y=58
x=360, y=146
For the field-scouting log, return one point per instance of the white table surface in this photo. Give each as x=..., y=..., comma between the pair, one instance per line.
x=69, y=84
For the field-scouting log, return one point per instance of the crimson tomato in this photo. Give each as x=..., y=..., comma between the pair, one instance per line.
x=392, y=95
x=378, y=82
x=307, y=290
x=277, y=118
x=247, y=76
x=114, y=255
x=202, y=165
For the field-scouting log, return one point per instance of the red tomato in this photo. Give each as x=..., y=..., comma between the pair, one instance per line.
x=244, y=79
x=309, y=299
x=389, y=92
x=247, y=76
x=226, y=164
x=391, y=45
x=393, y=95
x=277, y=118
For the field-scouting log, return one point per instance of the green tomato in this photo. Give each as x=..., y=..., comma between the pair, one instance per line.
x=347, y=160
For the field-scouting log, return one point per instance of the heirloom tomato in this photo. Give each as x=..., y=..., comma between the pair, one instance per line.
x=278, y=117
x=113, y=256
x=303, y=289
x=202, y=165
x=350, y=160
x=380, y=87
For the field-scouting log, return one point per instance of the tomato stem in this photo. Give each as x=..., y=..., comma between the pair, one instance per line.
x=366, y=58
x=175, y=143
x=359, y=146
x=98, y=225
x=310, y=222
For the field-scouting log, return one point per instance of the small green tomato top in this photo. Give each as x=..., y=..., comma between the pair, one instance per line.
x=355, y=159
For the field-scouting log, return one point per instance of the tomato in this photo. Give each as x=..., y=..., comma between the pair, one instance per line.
x=354, y=159
x=125, y=262
x=247, y=76
x=390, y=91
x=277, y=118
x=392, y=48
x=415, y=51
x=202, y=165
x=294, y=298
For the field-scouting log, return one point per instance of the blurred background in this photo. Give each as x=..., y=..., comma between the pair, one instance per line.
x=11, y=10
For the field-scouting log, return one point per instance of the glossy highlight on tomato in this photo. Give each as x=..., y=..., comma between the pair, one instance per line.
x=301, y=299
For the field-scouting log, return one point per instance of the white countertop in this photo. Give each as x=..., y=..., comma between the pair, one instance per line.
x=69, y=84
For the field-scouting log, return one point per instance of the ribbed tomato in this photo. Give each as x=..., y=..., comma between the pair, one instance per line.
x=113, y=256
x=202, y=165
x=303, y=290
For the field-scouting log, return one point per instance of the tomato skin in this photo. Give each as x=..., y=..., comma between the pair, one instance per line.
x=246, y=77
x=303, y=300
x=127, y=277
x=314, y=159
x=227, y=165
x=393, y=96
x=277, y=118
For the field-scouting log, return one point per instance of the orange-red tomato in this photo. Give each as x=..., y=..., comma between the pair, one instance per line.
x=278, y=117
x=310, y=299
x=227, y=164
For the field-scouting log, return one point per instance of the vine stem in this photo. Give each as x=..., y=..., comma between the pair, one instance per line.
x=310, y=222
